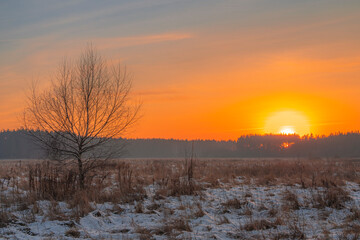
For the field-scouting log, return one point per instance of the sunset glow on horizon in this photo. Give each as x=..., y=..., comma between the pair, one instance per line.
x=287, y=122
x=202, y=70
x=287, y=130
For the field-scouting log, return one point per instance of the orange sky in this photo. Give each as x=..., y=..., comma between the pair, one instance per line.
x=202, y=70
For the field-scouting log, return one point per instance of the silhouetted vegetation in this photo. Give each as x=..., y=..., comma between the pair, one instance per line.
x=17, y=145
x=84, y=108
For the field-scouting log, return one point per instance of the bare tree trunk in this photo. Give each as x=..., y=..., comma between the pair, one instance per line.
x=81, y=173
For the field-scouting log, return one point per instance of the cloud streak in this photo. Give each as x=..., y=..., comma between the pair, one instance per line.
x=140, y=40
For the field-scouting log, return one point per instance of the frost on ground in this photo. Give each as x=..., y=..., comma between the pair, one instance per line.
x=243, y=211
x=221, y=200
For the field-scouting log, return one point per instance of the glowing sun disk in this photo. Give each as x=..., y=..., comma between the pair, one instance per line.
x=287, y=130
x=287, y=122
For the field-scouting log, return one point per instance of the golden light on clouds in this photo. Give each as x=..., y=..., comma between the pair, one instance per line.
x=287, y=122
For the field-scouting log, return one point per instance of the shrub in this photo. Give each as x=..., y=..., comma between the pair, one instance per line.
x=73, y=232
x=259, y=224
x=291, y=200
x=5, y=218
x=233, y=203
x=333, y=197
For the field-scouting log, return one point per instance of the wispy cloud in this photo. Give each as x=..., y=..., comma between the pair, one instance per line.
x=72, y=15
x=46, y=50
x=140, y=40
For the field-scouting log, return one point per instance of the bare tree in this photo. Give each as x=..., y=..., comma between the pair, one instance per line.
x=86, y=106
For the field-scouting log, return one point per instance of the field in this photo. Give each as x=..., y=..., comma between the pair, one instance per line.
x=183, y=199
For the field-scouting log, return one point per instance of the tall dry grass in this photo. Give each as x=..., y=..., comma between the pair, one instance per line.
x=22, y=183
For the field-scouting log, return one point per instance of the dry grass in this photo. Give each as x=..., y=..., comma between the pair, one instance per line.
x=199, y=212
x=80, y=205
x=41, y=176
x=222, y=220
x=259, y=224
x=50, y=182
x=355, y=214
x=233, y=203
x=54, y=212
x=144, y=233
x=296, y=231
x=73, y=233
x=5, y=218
x=352, y=231
x=178, y=183
x=291, y=201
x=153, y=206
x=123, y=181
x=174, y=227
x=333, y=197
x=307, y=173
x=180, y=176
x=174, y=177
x=139, y=208
x=273, y=211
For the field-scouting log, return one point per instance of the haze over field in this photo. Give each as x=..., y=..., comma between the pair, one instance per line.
x=204, y=69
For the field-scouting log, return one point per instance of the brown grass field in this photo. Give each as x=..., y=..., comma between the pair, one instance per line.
x=250, y=198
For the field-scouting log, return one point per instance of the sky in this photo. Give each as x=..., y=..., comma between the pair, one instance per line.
x=204, y=69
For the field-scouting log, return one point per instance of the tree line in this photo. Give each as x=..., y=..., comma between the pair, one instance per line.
x=17, y=144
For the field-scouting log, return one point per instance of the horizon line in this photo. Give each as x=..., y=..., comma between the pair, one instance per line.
x=312, y=135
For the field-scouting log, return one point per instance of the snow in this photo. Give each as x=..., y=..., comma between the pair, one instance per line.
x=216, y=221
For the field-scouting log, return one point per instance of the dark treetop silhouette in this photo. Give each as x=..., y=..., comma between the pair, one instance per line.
x=17, y=145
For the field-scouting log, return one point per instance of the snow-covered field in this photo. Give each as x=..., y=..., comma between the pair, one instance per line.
x=235, y=210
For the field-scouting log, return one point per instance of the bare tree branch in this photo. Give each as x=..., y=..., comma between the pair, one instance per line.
x=86, y=107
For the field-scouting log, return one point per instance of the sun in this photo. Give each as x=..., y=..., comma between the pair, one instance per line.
x=287, y=122
x=287, y=130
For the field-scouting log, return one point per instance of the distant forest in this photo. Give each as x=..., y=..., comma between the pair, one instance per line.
x=18, y=145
